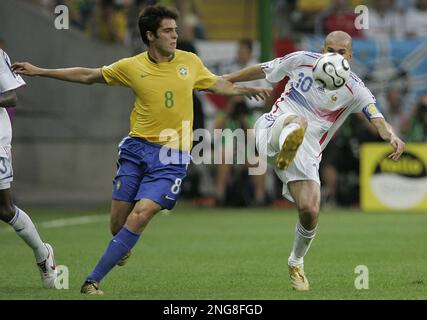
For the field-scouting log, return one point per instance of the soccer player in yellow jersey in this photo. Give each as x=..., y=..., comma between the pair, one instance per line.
x=162, y=80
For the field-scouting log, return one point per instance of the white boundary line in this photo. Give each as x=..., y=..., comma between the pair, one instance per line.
x=59, y=223
x=73, y=221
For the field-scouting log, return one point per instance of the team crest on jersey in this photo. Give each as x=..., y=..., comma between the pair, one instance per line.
x=182, y=71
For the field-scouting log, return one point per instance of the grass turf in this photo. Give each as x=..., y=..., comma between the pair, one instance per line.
x=229, y=254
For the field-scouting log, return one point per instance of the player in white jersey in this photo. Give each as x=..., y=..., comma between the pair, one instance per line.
x=300, y=125
x=9, y=213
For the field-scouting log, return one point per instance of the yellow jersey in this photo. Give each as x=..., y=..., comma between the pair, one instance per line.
x=163, y=108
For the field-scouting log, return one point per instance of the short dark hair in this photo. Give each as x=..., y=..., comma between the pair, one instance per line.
x=151, y=17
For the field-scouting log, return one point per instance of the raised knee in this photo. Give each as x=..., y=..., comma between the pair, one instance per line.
x=7, y=212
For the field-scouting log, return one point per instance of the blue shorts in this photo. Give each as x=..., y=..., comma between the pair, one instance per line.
x=143, y=172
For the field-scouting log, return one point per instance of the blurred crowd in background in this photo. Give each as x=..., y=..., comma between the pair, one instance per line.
x=229, y=185
x=114, y=20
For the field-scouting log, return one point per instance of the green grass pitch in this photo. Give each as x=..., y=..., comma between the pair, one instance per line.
x=227, y=254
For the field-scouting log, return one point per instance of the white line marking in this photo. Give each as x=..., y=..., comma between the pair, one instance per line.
x=59, y=223
x=73, y=221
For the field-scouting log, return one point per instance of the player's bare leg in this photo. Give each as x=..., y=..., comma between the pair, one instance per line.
x=307, y=198
x=7, y=209
x=143, y=211
x=146, y=209
x=120, y=211
x=287, y=135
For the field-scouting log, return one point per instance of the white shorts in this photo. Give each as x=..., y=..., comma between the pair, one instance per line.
x=6, y=171
x=305, y=166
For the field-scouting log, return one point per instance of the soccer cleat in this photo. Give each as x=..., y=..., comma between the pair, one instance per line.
x=47, y=268
x=124, y=260
x=298, y=279
x=91, y=287
x=289, y=148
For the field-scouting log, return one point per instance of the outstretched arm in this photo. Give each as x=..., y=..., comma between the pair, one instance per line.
x=387, y=134
x=8, y=99
x=79, y=75
x=247, y=74
x=227, y=88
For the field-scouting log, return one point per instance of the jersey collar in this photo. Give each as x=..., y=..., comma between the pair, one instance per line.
x=154, y=61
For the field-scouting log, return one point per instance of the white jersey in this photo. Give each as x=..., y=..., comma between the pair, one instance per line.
x=324, y=110
x=8, y=81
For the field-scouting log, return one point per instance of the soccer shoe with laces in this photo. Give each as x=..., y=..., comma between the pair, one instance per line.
x=91, y=287
x=47, y=268
x=298, y=279
x=124, y=260
x=289, y=148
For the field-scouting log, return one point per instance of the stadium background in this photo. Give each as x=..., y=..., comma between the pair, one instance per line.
x=66, y=136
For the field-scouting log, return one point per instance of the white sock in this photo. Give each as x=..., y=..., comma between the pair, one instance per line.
x=26, y=229
x=303, y=239
x=286, y=131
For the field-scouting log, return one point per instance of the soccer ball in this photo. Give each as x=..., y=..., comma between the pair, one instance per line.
x=331, y=71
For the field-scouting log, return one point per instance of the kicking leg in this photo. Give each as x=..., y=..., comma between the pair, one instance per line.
x=25, y=229
x=286, y=136
x=307, y=198
x=122, y=243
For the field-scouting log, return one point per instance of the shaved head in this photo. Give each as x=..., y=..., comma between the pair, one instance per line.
x=339, y=42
